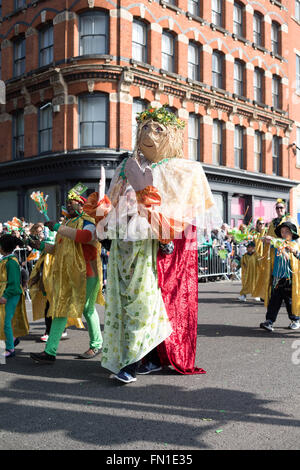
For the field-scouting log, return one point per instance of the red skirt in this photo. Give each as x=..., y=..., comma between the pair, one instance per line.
x=178, y=280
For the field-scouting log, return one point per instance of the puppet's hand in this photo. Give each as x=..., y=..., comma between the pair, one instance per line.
x=138, y=178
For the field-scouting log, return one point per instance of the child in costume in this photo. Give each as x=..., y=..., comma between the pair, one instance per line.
x=249, y=272
x=13, y=318
x=283, y=277
x=259, y=233
x=76, y=282
x=155, y=199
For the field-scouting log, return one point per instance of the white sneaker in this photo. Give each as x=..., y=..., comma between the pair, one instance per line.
x=65, y=334
x=242, y=298
x=295, y=325
x=44, y=338
x=257, y=299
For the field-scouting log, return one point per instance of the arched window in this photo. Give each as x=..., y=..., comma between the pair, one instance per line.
x=93, y=120
x=258, y=85
x=258, y=151
x=18, y=135
x=46, y=45
x=139, y=41
x=217, y=12
x=239, y=78
x=239, y=147
x=45, y=128
x=19, y=56
x=194, y=61
x=167, y=52
x=217, y=142
x=93, y=33
x=194, y=137
x=276, y=95
x=238, y=19
x=275, y=38
x=258, y=28
x=218, y=69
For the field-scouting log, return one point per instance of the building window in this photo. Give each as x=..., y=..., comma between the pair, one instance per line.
x=257, y=29
x=18, y=135
x=276, y=155
x=194, y=137
x=216, y=12
x=93, y=33
x=239, y=76
x=217, y=147
x=297, y=73
x=276, y=91
x=20, y=4
x=298, y=146
x=137, y=107
x=139, y=41
x=167, y=52
x=258, y=141
x=217, y=69
x=46, y=46
x=93, y=115
x=238, y=147
x=19, y=57
x=238, y=19
x=0, y=8
x=297, y=10
x=45, y=128
x=193, y=7
x=194, y=62
x=275, y=37
x=258, y=85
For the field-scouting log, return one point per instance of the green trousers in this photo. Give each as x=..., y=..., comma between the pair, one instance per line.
x=10, y=308
x=89, y=313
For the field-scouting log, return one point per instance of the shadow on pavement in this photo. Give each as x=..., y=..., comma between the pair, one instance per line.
x=98, y=411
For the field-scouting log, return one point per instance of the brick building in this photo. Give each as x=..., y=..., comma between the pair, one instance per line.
x=76, y=73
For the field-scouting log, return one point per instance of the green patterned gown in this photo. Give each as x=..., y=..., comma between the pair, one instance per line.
x=136, y=320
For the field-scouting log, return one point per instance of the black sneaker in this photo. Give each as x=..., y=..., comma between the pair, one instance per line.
x=43, y=358
x=145, y=369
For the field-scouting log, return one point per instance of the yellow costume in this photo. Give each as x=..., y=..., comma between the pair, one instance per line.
x=20, y=324
x=249, y=274
x=69, y=274
x=41, y=289
x=260, y=266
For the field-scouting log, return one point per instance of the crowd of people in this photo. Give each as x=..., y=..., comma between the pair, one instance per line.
x=149, y=219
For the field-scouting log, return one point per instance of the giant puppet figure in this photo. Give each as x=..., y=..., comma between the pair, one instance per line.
x=156, y=201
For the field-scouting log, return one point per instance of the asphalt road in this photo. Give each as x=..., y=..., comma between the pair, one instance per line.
x=248, y=399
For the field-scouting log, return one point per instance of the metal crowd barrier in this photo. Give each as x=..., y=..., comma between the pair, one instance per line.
x=211, y=265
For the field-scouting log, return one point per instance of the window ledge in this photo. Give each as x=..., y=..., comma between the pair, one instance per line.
x=240, y=97
x=237, y=37
x=278, y=4
x=191, y=16
x=196, y=83
x=172, y=7
x=260, y=48
x=136, y=63
x=216, y=27
x=220, y=90
x=260, y=105
x=92, y=56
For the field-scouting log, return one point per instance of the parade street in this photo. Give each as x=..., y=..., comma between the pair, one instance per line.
x=248, y=399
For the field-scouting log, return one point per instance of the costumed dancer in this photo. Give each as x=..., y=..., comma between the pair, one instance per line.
x=154, y=204
x=13, y=318
x=249, y=271
x=283, y=276
x=76, y=277
x=40, y=284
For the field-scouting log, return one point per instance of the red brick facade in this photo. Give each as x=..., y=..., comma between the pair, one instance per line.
x=123, y=79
